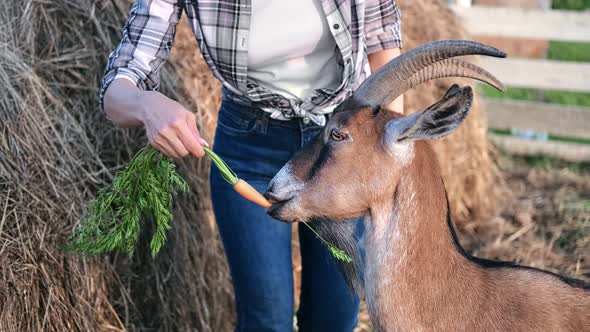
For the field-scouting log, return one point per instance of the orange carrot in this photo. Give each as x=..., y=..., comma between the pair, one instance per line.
x=248, y=192
x=240, y=186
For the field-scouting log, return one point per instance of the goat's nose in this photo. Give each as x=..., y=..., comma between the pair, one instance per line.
x=271, y=187
x=275, y=198
x=283, y=187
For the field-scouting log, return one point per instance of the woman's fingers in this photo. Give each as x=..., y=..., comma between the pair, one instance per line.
x=192, y=126
x=190, y=137
x=176, y=144
x=170, y=144
x=174, y=132
x=165, y=149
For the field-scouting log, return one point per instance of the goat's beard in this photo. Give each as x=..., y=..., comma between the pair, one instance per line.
x=344, y=235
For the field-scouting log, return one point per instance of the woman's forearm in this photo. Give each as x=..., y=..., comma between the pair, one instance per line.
x=376, y=61
x=122, y=104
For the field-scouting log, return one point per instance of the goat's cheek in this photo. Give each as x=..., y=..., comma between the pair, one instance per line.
x=302, y=207
x=324, y=202
x=298, y=210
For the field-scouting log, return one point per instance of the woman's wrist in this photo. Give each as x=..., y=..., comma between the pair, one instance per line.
x=123, y=104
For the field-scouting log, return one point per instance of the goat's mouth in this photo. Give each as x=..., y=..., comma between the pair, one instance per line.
x=277, y=209
x=275, y=199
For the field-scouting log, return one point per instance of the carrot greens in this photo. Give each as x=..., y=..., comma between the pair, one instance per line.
x=336, y=252
x=145, y=189
x=226, y=172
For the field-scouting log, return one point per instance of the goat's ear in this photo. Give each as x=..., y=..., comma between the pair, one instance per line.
x=438, y=120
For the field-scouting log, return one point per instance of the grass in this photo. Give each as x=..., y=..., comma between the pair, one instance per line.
x=568, y=51
x=570, y=4
x=546, y=162
x=547, y=96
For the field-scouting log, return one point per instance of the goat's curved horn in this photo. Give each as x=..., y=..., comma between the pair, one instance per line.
x=452, y=68
x=389, y=81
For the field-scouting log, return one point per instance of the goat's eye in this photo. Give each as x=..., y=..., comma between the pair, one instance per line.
x=337, y=135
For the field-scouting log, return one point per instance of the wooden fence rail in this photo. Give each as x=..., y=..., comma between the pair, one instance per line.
x=527, y=120
x=540, y=73
x=559, y=120
x=526, y=23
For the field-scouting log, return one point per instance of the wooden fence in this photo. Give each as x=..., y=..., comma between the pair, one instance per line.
x=526, y=127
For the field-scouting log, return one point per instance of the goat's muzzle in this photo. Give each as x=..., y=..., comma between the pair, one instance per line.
x=277, y=208
x=282, y=192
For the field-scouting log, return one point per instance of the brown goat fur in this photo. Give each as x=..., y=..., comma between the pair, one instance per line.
x=417, y=277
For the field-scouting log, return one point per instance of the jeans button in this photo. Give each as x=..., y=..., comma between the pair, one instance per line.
x=305, y=120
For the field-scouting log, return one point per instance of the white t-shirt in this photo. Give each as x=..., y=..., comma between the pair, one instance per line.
x=292, y=54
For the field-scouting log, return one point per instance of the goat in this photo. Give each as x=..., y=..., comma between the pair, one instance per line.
x=378, y=164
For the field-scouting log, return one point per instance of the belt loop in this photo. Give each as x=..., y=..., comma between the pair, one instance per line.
x=265, y=120
x=262, y=119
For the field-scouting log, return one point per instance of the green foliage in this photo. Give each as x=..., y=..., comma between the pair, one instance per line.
x=547, y=162
x=569, y=51
x=579, y=205
x=510, y=93
x=544, y=162
x=145, y=188
x=228, y=175
x=570, y=4
x=567, y=98
x=547, y=96
x=339, y=254
x=577, y=211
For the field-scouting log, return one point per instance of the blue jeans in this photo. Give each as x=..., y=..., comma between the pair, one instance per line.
x=258, y=247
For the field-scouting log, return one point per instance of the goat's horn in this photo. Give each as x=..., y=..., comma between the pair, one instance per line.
x=452, y=68
x=389, y=81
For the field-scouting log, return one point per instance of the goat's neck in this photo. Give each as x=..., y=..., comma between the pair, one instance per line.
x=411, y=258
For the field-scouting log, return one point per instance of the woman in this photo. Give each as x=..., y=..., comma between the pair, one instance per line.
x=284, y=66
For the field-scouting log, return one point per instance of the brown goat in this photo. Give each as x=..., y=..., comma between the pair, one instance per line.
x=377, y=164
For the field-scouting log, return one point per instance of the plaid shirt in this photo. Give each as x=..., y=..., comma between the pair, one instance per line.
x=359, y=27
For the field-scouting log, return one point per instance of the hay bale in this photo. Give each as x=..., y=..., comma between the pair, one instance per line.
x=467, y=169
x=56, y=150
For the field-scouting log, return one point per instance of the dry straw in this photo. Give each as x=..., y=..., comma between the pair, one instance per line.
x=56, y=150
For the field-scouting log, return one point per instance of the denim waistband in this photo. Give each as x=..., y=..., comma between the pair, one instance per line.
x=250, y=109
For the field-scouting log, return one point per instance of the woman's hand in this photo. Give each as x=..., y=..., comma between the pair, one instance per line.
x=170, y=128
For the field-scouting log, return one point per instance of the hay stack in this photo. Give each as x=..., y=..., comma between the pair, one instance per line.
x=55, y=151
x=464, y=158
